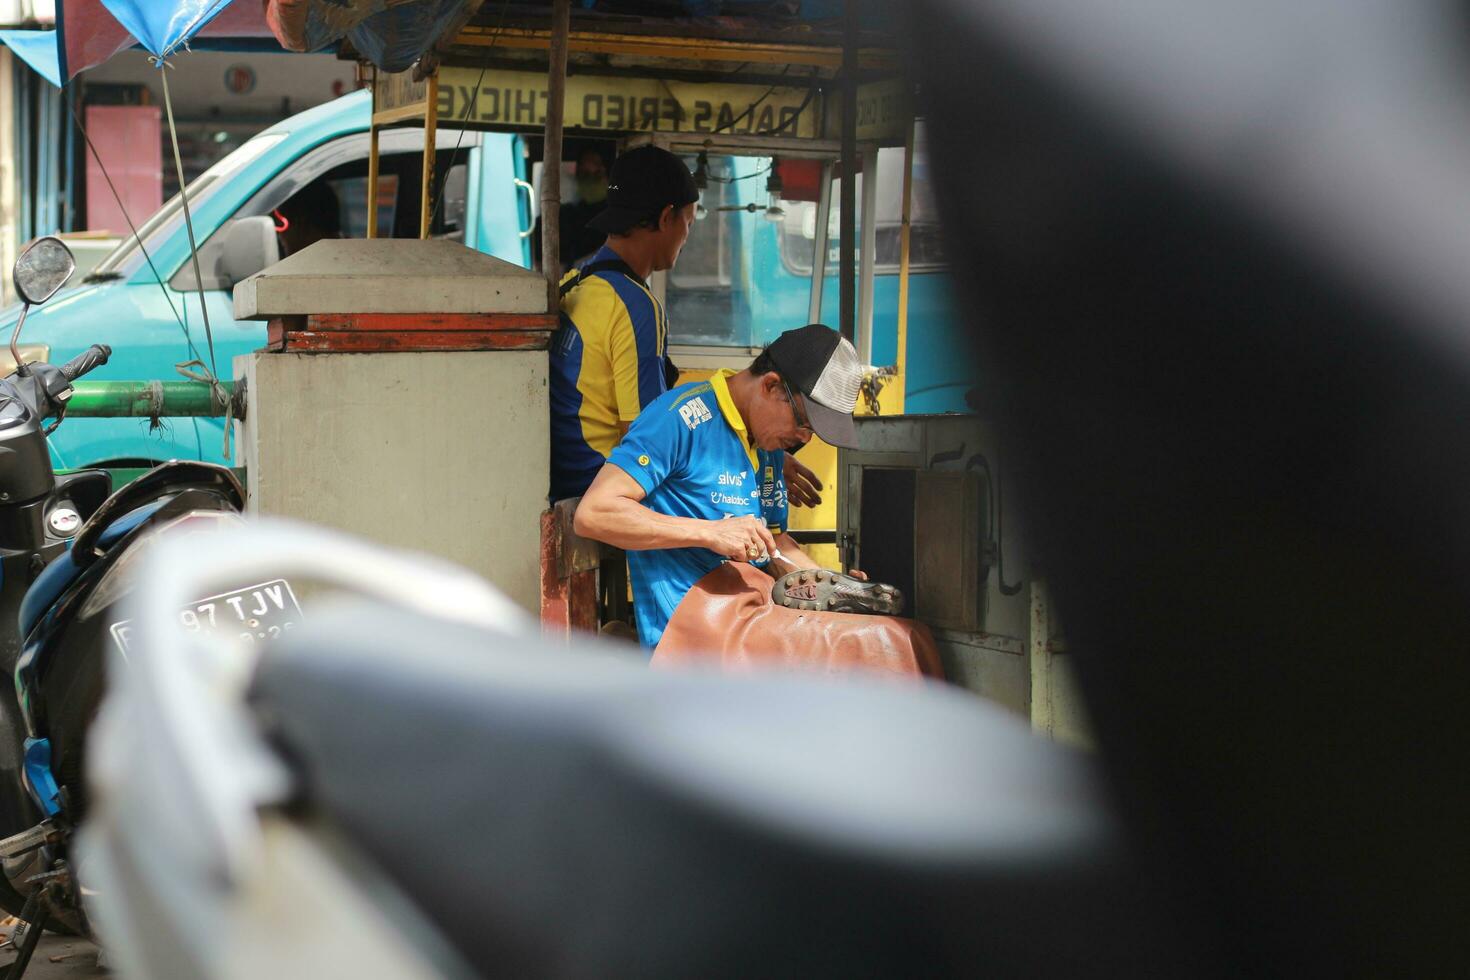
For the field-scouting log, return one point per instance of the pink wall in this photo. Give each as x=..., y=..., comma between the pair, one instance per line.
x=129, y=141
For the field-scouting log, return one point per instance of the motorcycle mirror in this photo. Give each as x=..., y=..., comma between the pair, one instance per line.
x=42, y=269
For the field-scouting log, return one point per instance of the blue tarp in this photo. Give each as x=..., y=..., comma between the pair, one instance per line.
x=37, y=49
x=162, y=26
x=395, y=38
x=91, y=31
x=392, y=34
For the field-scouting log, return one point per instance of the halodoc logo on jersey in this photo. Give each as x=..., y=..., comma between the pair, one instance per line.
x=735, y=482
x=694, y=412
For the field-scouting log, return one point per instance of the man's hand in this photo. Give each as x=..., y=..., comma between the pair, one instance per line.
x=802, y=486
x=740, y=538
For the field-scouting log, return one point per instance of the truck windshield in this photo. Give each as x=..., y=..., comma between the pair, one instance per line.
x=127, y=258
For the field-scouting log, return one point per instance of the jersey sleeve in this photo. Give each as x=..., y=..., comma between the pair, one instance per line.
x=656, y=447
x=774, y=505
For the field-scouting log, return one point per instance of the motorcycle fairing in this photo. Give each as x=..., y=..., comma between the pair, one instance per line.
x=39, y=780
x=117, y=516
x=61, y=572
x=171, y=477
x=48, y=622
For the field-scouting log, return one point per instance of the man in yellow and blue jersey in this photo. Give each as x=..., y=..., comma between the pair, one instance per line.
x=699, y=480
x=609, y=357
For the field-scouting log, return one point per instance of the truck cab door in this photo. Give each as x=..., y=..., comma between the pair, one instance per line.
x=501, y=204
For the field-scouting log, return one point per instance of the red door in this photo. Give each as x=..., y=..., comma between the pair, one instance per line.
x=129, y=141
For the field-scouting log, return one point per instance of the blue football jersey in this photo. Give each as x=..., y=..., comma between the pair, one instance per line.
x=690, y=453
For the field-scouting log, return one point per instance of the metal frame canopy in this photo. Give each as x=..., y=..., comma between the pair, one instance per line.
x=800, y=89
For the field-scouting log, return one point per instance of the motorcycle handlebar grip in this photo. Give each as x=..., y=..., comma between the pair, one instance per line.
x=93, y=357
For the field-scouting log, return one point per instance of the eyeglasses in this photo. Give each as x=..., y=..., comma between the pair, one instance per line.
x=802, y=422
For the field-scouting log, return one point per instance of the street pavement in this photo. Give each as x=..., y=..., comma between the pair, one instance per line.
x=56, y=957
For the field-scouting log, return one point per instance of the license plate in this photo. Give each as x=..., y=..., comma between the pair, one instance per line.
x=255, y=614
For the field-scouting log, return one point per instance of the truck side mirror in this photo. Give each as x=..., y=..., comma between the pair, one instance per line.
x=250, y=245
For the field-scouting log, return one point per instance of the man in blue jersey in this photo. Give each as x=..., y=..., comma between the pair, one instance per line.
x=609, y=357
x=698, y=479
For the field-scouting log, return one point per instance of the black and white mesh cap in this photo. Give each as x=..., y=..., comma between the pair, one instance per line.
x=824, y=367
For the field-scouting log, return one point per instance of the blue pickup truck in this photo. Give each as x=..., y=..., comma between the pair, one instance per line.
x=742, y=279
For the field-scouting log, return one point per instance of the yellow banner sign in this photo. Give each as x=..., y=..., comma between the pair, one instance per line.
x=518, y=100
x=398, y=91
x=883, y=110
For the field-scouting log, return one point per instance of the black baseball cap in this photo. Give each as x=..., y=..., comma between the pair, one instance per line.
x=821, y=364
x=643, y=182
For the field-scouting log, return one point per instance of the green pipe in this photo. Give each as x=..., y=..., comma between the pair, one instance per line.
x=145, y=399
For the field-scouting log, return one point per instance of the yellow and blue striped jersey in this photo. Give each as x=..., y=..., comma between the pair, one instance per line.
x=607, y=362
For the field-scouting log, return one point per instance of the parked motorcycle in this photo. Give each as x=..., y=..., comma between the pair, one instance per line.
x=69, y=551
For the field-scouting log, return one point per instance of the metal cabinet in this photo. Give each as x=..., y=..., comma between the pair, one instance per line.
x=926, y=505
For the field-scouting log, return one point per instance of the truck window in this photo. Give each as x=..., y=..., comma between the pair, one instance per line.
x=745, y=273
x=926, y=249
x=352, y=192
x=584, y=172
x=731, y=287
x=127, y=258
x=706, y=259
x=324, y=194
x=701, y=294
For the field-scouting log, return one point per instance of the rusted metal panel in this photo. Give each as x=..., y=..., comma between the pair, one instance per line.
x=554, y=618
x=576, y=553
x=352, y=341
x=949, y=524
x=361, y=332
x=582, y=601
x=433, y=322
x=568, y=601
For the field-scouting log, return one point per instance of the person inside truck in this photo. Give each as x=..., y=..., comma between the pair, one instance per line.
x=579, y=240
x=311, y=214
x=609, y=356
x=695, y=493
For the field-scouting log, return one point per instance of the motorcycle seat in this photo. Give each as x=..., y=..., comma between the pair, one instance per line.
x=63, y=569
x=562, y=812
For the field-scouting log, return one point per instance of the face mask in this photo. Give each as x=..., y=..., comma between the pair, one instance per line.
x=592, y=190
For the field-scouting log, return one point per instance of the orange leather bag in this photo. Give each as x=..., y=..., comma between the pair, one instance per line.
x=728, y=621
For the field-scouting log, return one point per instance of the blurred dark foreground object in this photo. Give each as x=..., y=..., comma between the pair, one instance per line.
x=564, y=814
x=1216, y=255
x=413, y=784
